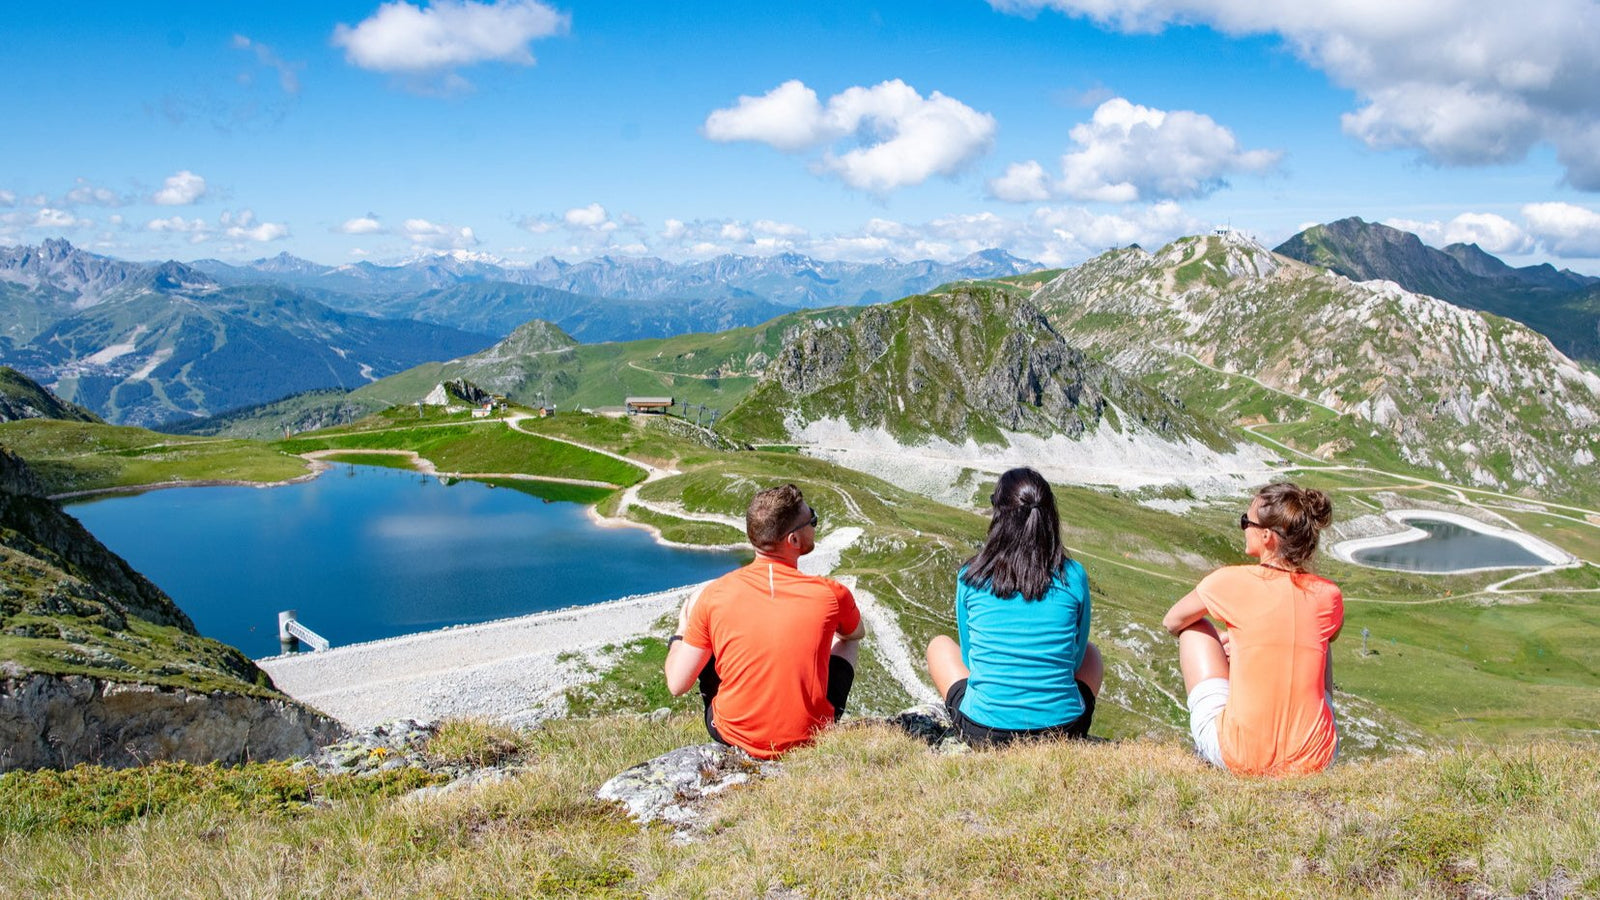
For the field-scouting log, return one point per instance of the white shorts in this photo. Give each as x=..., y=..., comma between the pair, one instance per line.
x=1206, y=703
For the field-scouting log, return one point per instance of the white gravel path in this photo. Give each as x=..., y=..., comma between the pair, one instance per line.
x=506, y=670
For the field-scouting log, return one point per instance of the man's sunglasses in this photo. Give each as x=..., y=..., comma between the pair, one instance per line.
x=811, y=522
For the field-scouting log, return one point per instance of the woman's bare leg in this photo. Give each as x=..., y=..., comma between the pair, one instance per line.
x=944, y=664
x=1200, y=654
x=1092, y=671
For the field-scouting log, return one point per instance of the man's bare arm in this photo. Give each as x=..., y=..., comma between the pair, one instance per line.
x=684, y=662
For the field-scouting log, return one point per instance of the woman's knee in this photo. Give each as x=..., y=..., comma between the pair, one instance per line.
x=944, y=663
x=1200, y=654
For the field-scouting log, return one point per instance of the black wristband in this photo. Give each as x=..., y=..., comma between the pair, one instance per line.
x=676, y=637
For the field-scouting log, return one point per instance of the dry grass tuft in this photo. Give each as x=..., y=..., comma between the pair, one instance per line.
x=476, y=742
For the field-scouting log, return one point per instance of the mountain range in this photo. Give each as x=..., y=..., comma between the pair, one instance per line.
x=786, y=279
x=146, y=344
x=1560, y=304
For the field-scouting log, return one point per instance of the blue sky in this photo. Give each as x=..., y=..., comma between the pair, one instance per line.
x=1054, y=129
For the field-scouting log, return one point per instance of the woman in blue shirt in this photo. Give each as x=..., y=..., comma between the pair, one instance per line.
x=1024, y=666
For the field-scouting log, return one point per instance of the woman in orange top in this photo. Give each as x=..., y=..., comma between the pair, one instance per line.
x=1261, y=693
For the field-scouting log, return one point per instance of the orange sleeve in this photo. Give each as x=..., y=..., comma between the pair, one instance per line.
x=849, y=613
x=1335, y=618
x=698, y=633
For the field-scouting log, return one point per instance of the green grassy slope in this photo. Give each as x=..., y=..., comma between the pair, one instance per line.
x=713, y=369
x=484, y=447
x=77, y=456
x=867, y=812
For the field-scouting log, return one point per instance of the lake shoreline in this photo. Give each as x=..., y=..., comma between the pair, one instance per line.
x=1345, y=551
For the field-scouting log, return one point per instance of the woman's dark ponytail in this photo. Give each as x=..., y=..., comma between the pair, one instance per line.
x=1023, y=552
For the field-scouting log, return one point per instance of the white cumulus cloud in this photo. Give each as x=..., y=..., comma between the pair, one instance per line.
x=242, y=226
x=84, y=193
x=1564, y=229
x=180, y=189
x=788, y=117
x=197, y=230
x=1492, y=233
x=178, y=225
x=447, y=34
x=367, y=224
x=7, y=198
x=49, y=217
x=1024, y=182
x=1127, y=153
x=901, y=138
x=1463, y=82
x=593, y=216
x=429, y=235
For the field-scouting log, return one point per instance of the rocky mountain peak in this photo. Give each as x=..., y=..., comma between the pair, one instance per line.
x=965, y=364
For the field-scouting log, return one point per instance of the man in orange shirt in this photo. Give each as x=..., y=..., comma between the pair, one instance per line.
x=781, y=644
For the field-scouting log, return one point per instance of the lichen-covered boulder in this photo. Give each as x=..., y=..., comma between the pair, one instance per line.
x=670, y=787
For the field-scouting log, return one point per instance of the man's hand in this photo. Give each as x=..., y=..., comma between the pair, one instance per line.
x=1226, y=637
x=683, y=614
x=684, y=660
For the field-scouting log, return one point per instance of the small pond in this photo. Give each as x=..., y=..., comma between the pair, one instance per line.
x=1443, y=543
x=365, y=552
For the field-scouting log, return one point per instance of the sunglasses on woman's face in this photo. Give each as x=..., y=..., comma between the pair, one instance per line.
x=1245, y=522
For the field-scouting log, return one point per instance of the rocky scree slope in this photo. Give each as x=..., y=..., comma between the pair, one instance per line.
x=971, y=363
x=98, y=665
x=1479, y=399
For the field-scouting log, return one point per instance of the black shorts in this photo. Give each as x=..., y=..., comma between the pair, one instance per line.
x=979, y=735
x=841, y=677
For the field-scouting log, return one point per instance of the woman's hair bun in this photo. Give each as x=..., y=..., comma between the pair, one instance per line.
x=1318, y=507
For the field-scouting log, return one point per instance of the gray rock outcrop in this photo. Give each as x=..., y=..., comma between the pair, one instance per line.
x=49, y=721
x=671, y=787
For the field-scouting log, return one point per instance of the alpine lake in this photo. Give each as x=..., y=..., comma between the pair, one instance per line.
x=367, y=552
x=1449, y=544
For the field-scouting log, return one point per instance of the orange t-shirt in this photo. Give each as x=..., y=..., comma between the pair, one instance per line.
x=770, y=629
x=1277, y=721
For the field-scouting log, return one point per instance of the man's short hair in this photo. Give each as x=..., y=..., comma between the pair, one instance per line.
x=772, y=514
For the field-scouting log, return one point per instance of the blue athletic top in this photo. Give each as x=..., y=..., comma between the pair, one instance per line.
x=1024, y=654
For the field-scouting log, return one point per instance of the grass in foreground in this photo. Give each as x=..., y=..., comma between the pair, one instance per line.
x=867, y=812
